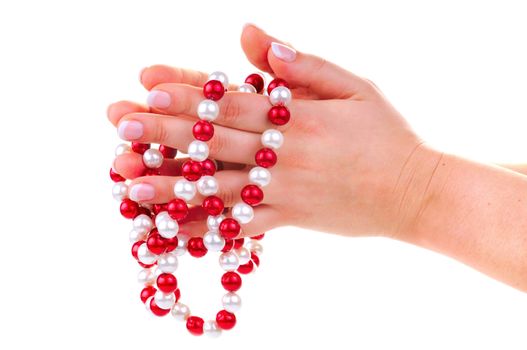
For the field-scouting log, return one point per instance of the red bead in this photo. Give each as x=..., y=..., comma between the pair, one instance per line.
x=238, y=243
x=143, y=210
x=116, y=177
x=203, y=130
x=135, y=248
x=265, y=158
x=276, y=83
x=229, y=243
x=196, y=248
x=259, y=237
x=255, y=258
x=139, y=147
x=256, y=80
x=208, y=167
x=145, y=266
x=177, y=293
x=147, y=292
x=171, y=243
x=231, y=281
x=246, y=268
x=195, y=325
x=151, y=172
x=129, y=208
x=279, y=115
x=158, y=208
x=213, y=205
x=191, y=170
x=167, y=152
x=156, y=310
x=177, y=209
x=226, y=320
x=156, y=244
x=229, y=228
x=213, y=90
x=252, y=194
x=167, y=282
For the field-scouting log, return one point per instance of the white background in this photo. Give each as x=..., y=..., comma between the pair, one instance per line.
x=456, y=70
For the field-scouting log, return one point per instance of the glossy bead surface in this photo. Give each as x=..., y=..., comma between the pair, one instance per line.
x=226, y=320
x=145, y=256
x=231, y=281
x=255, y=259
x=279, y=115
x=213, y=241
x=244, y=255
x=180, y=311
x=213, y=205
x=156, y=244
x=211, y=329
x=276, y=83
x=246, y=268
x=257, y=81
x=195, y=325
x=207, y=185
x=231, y=302
x=213, y=222
x=238, y=242
x=167, y=283
x=152, y=158
x=208, y=110
x=168, y=262
x=247, y=88
x=191, y=170
x=177, y=209
x=229, y=228
x=260, y=176
x=139, y=147
x=203, y=130
x=129, y=209
x=272, y=138
x=208, y=167
x=116, y=177
x=280, y=96
x=164, y=300
x=252, y=194
x=166, y=226
x=229, y=261
x=242, y=212
x=221, y=77
x=196, y=248
x=182, y=245
x=265, y=158
x=255, y=246
x=147, y=292
x=146, y=276
x=185, y=189
x=167, y=152
x=156, y=310
x=122, y=149
x=213, y=90
x=120, y=191
x=135, y=235
x=143, y=223
x=198, y=150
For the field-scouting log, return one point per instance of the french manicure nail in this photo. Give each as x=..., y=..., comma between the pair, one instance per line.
x=158, y=99
x=142, y=192
x=283, y=52
x=130, y=130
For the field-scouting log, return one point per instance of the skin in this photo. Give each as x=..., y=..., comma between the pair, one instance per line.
x=350, y=164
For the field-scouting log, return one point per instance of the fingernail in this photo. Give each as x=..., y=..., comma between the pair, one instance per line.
x=158, y=99
x=142, y=192
x=283, y=52
x=141, y=74
x=130, y=130
x=249, y=25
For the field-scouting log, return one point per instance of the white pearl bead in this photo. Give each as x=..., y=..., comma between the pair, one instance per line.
x=185, y=189
x=146, y=276
x=164, y=300
x=280, y=96
x=211, y=329
x=260, y=176
x=213, y=222
x=161, y=216
x=207, y=185
x=120, y=191
x=122, y=148
x=247, y=88
x=167, y=227
x=143, y=223
x=272, y=138
x=152, y=158
x=168, y=262
x=181, y=248
x=208, y=110
x=198, y=150
x=221, y=77
x=147, y=304
x=243, y=212
x=231, y=302
x=255, y=246
x=229, y=261
x=135, y=235
x=213, y=241
x=244, y=255
x=180, y=311
x=145, y=256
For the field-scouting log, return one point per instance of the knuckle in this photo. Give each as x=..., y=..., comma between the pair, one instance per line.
x=227, y=195
x=217, y=145
x=161, y=135
x=230, y=111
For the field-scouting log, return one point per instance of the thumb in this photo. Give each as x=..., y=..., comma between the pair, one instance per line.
x=316, y=74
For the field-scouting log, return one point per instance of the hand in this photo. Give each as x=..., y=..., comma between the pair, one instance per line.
x=350, y=163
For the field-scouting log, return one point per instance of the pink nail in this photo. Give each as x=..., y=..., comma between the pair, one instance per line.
x=158, y=99
x=130, y=130
x=142, y=192
x=283, y=52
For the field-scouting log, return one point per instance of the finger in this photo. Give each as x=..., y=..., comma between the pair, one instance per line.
x=238, y=110
x=266, y=218
x=117, y=110
x=324, y=78
x=158, y=74
x=160, y=189
x=130, y=166
x=176, y=132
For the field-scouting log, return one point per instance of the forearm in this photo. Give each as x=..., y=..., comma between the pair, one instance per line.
x=477, y=214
